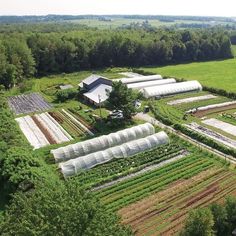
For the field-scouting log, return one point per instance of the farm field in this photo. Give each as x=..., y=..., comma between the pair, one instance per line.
x=216, y=74
x=42, y=130
x=157, y=202
x=164, y=212
x=124, y=167
x=176, y=113
x=119, y=22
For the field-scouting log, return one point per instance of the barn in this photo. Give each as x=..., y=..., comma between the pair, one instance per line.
x=96, y=89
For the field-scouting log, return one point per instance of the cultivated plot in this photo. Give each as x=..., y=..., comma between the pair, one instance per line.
x=221, y=125
x=42, y=130
x=212, y=134
x=191, y=99
x=164, y=212
x=24, y=104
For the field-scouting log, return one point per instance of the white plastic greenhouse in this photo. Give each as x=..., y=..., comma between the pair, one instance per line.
x=169, y=89
x=151, y=83
x=139, y=79
x=103, y=142
x=72, y=167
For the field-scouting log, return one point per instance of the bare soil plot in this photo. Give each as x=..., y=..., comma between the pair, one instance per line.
x=215, y=108
x=163, y=213
x=221, y=125
x=191, y=99
x=25, y=104
x=213, y=135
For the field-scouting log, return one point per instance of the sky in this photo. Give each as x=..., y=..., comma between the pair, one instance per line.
x=96, y=7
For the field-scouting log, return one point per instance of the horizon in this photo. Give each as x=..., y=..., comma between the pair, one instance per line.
x=204, y=8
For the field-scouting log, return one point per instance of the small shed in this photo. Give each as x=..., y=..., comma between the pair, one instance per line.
x=67, y=86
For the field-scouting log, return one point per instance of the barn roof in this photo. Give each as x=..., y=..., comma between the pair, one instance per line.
x=92, y=78
x=100, y=90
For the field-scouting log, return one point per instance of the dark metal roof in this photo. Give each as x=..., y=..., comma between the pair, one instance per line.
x=92, y=78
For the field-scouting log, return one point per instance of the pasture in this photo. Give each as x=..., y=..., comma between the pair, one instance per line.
x=216, y=74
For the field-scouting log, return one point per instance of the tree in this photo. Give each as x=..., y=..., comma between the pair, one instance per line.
x=199, y=223
x=59, y=208
x=122, y=98
x=230, y=207
x=220, y=219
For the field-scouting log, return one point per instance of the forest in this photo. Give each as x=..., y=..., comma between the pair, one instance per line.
x=27, y=54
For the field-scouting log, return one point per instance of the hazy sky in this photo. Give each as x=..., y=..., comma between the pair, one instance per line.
x=155, y=7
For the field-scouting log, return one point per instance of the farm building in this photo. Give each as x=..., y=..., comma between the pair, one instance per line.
x=130, y=74
x=67, y=86
x=151, y=83
x=131, y=148
x=139, y=79
x=93, y=81
x=96, y=89
x=170, y=89
x=103, y=142
x=98, y=95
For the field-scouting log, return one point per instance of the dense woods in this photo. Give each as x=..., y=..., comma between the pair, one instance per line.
x=25, y=54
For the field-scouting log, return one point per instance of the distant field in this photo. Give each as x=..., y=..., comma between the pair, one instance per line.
x=217, y=74
x=118, y=22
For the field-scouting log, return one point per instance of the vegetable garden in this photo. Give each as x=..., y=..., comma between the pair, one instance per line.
x=164, y=212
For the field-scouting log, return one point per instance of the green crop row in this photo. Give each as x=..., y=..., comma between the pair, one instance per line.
x=122, y=167
x=159, y=185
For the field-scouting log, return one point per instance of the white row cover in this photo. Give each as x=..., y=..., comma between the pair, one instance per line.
x=213, y=106
x=31, y=131
x=151, y=83
x=192, y=99
x=139, y=79
x=53, y=128
x=72, y=167
x=169, y=89
x=103, y=142
x=224, y=126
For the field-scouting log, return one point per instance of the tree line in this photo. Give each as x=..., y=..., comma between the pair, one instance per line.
x=26, y=54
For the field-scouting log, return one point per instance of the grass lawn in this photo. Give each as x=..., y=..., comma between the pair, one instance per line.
x=217, y=74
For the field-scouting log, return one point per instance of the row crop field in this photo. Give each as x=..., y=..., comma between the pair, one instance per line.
x=157, y=202
x=173, y=109
x=72, y=122
x=42, y=130
x=123, y=167
x=137, y=188
x=53, y=127
x=164, y=212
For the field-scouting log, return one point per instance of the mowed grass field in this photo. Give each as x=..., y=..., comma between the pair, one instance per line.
x=217, y=74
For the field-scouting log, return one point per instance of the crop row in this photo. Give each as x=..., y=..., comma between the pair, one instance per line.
x=122, y=167
x=204, y=196
x=70, y=123
x=137, y=188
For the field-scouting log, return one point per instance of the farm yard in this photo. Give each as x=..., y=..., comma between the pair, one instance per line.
x=150, y=177
x=126, y=128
